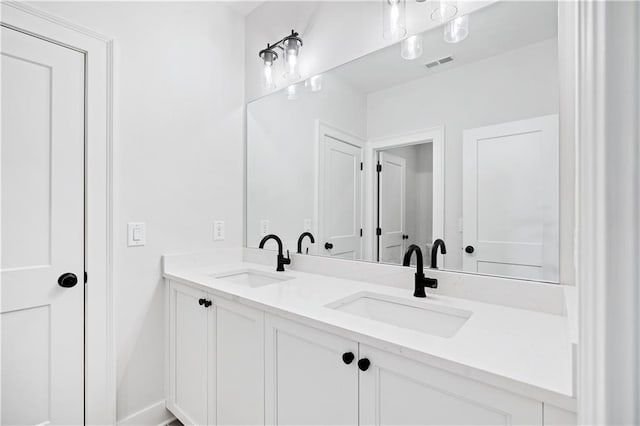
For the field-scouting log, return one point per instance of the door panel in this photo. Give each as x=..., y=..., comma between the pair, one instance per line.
x=307, y=383
x=42, y=323
x=392, y=205
x=340, y=209
x=510, y=199
x=400, y=391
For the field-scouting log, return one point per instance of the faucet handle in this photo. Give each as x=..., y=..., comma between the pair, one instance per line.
x=286, y=260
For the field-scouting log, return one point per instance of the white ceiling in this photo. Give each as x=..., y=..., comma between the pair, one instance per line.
x=495, y=29
x=244, y=7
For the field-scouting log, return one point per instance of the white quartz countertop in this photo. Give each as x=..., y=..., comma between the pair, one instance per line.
x=523, y=351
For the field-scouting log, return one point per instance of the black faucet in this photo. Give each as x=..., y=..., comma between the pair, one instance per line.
x=301, y=237
x=434, y=252
x=421, y=281
x=281, y=259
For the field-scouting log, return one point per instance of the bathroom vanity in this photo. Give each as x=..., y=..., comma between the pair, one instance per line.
x=249, y=345
x=455, y=156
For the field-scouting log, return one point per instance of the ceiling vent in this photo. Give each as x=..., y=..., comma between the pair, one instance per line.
x=441, y=61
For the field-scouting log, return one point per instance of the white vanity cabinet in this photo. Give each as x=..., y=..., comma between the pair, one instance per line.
x=215, y=359
x=396, y=390
x=191, y=347
x=307, y=380
x=309, y=383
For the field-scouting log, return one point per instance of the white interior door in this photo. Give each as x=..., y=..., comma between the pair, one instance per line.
x=392, y=207
x=42, y=154
x=340, y=198
x=510, y=199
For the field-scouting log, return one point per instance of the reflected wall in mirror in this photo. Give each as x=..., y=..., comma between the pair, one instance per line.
x=460, y=144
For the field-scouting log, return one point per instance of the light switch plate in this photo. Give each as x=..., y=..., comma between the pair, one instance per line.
x=136, y=234
x=218, y=230
x=264, y=227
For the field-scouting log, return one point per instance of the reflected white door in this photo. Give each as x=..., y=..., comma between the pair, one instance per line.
x=392, y=207
x=510, y=199
x=42, y=322
x=340, y=198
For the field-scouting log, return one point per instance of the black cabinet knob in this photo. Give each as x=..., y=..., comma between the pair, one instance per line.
x=207, y=303
x=364, y=364
x=348, y=357
x=469, y=249
x=328, y=246
x=201, y=302
x=67, y=280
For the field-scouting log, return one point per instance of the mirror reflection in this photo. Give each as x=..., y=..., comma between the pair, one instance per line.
x=448, y=136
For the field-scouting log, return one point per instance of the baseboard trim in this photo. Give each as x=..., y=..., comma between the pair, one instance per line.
x=154, y=415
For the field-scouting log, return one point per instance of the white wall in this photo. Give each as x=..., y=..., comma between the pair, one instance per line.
x=519, y=84
x=282, y=159
x=178, y=117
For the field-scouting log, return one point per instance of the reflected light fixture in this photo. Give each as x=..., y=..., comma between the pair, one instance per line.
x=445, y=10
x=393, y=19
x=290, y=46
x=314, y=83
x=456, y=30
x=292, y=92
x=411, y=47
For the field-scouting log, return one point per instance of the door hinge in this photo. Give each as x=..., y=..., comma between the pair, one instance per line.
x=378, y=231
x=378, y=167
x=85, y=277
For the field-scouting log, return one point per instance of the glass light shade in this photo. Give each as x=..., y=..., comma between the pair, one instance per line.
x=314, y=83
x=269, y=57
x=267, y=76
x=411, y=47
x=457, y=30
x=291, y=50
x=292, y=92
x=394, y=19
x=445, y=10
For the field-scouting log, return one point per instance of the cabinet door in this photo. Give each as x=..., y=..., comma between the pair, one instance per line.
x=188, y=347
x=307, y=381
x=239, y=364
x=399, y=391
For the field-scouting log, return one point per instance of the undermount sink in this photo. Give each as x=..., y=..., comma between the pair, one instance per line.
x=416, y=315
x=252, y=278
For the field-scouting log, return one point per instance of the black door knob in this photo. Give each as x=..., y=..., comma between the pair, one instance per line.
x=348, y=357
x=67, y=280
x=364, y=364
x=328, y=246
x=469, y=249
x=201, y=302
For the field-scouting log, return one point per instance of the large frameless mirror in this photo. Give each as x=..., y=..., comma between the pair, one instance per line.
x=451, y=135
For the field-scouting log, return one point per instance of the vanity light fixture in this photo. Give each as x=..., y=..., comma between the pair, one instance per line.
x=411, y=47
x=269, y=56
x=456, y=30
x=393, y=19
x=445, y=10
x=290, y=46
